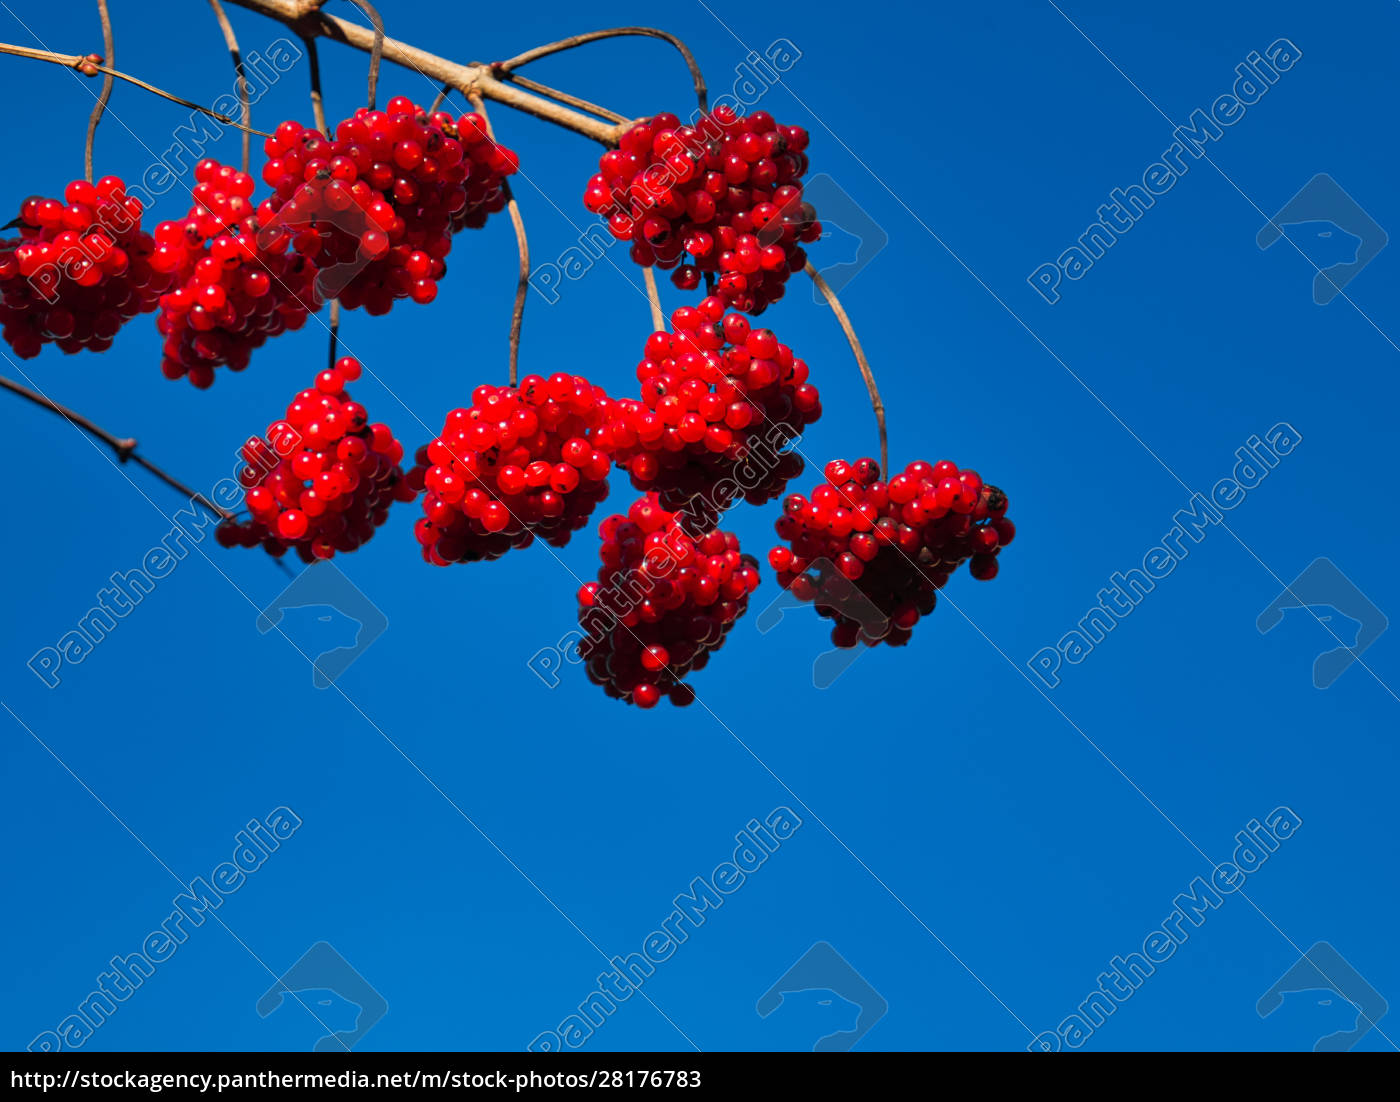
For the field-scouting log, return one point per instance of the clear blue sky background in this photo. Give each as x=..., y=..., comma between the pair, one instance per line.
x=976, y=846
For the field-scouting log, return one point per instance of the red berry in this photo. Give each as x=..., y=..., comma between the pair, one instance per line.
x=723, y=194
x=872, y=555
x=520, y=462
x=79, y=269
x=666, y=596
x=313, y=496
x=718, y=404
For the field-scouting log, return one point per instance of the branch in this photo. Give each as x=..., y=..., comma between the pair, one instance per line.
x=88, y=67
x=377, y=50
x=701, y=95
x=245, y=103
x=865, y=373
x=522, y=287
x=334, y=327
x=566, y=97
x=658, y=315
x=305, y=18
x=318, y=101
x=100, y=107
x=124, y=448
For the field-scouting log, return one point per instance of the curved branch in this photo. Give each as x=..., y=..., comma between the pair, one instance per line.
x=244, y=102
x=377, y=50
x=522, y=287
x=100, y=107
x=85, y=65
x=318, y=101
x=701, y=93
x=334, y=327
x=124, y=448
x=865, y=373
x=305, y=18
x=658, y=315
x=566, y=97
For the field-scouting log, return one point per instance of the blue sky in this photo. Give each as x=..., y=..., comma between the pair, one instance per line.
x=976, y=845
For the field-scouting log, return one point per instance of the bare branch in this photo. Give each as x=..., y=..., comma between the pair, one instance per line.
x=318, y=101
x=100, y=107
x=865, y=373
x=566, y=97
x=701, y=95
x=244, y=102
x=123, y=447
x=522, y=287
x=658, y=315
x=334, y=327
x=306, y=18
x=377, y=51
x=85, y=64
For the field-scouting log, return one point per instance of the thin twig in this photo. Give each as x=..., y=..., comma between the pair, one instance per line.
x=517, y=317
x=701, y=95
x=377, y=53
x=522, y=287
x=124, y=448
x=100, y=107
x=658, y=316
x=304, y=17
x=566, y=97
x=318, y=102
x=441, y=96
x=83, y=63
x=846, y=327
x=335, y=333
x=244, y=101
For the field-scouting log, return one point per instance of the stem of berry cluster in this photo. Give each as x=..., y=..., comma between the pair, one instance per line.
x=306, y=18
x=85, y=64
x=244, y=102
x=865, y=373
x=318, y=100
x=334, y=327
x=658, y=315
x=564, y=97
x=377, y=51
x=123, y=447
x=701, y=93
x=100, y=107
x=522, y=244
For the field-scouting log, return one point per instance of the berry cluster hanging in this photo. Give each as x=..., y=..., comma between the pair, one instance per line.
x=364, y=214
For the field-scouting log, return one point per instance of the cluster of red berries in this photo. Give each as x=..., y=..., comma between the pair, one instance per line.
x=721, y=197
x=323, y=478
x=374, y=208
x=664, y=600
x=80, y=269
x=872, y=555
x=520, y=462
x=237, y=286
x=720, y=400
